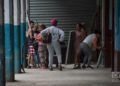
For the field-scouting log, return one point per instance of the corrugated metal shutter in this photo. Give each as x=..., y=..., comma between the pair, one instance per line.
x=68, y=12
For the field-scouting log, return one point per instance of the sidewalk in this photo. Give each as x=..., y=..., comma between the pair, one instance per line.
x=67, y=77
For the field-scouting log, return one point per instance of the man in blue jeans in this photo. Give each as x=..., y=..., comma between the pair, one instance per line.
x=86, y=47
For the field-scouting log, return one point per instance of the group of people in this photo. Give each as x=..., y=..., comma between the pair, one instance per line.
x=40, y=51
x=35, y=47
x=84, y=44
x=41, y=54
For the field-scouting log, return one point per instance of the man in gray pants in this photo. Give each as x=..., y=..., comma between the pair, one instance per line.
x=86, y=47
x=57, y=37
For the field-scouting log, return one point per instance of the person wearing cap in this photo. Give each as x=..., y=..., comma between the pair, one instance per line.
x=57, y=37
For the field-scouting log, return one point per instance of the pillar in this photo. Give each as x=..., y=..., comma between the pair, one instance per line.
x=23, y=29
x=111, y=27
x=117, y=37
x=116, y=68
x=17, y=58
x=9, y=42
x=108, y=35
x=2, y=57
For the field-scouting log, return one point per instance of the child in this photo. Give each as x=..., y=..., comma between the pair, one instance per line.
x=30, y=37
x=41, y=47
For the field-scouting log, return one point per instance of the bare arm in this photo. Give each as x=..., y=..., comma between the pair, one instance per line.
x=95, y=43
x=44, y=31
x=29, y=33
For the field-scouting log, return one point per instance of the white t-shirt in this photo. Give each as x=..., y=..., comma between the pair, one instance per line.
x=57, y=33
x=89, y=39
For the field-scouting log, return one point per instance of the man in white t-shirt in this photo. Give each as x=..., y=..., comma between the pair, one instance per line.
x=86, y=47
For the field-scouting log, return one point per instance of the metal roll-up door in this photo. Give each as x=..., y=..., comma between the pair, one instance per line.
x=68, y=12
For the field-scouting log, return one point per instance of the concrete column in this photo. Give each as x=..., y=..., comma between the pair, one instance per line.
x=102, y=29
x=116, y=68
x=17, y=59
x=23, y=28
x=111, y=27
x=117, y=37
x=2, y=57
x=108, y=35
x=9, y=42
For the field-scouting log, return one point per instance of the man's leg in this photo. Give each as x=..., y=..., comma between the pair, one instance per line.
x=38, y=60
x=77, y=59
x=84, y=49
x=57, y=48
x=89, y=58
x=51, y=52
x=28, y=60
x=32, y=61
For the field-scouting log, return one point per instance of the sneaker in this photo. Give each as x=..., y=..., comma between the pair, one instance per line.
x=89, y=66
x=28, y=67
x=57, y=65
x=77, y=67
x=97, y=66
x=51, y=68
x=60, y=67
x=83, y=66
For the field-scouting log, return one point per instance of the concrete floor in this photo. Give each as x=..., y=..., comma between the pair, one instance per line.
x=67, y=77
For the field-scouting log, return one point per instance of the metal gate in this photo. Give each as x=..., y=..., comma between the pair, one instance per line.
x=68, y=12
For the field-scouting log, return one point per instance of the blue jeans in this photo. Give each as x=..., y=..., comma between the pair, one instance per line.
x=54, y=46
x=36, y=57
x=86, y=52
